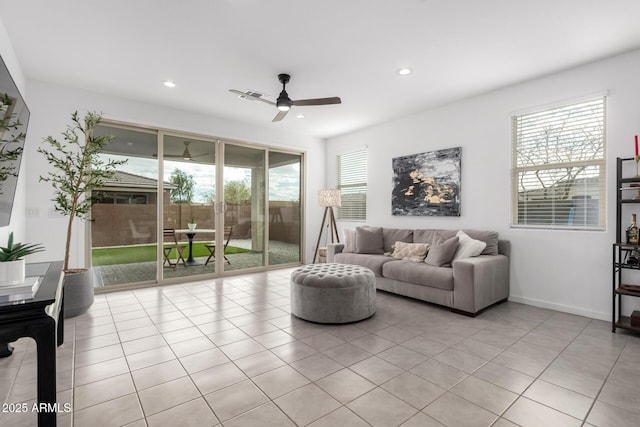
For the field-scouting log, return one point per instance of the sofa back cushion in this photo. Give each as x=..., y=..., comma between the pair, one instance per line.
x=432, y=236
x=392, y=235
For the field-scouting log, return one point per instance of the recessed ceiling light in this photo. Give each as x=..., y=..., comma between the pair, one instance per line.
x=404, y=71
x=169, y=83
x=300, y=116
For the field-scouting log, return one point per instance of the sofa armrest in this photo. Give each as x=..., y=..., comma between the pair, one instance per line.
x=479, y=282
x=333, y=249
x=504, y=247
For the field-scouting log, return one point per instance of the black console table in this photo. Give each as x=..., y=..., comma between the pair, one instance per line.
x=39, y=318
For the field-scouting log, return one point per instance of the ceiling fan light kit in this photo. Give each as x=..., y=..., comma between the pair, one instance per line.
x=284, y=103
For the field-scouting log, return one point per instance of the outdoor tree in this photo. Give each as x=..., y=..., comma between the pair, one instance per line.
x=183, y=193
x=558, y=149
x=237, y=192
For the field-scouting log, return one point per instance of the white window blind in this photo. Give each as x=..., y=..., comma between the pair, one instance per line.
x=558, y=173
x=352, y=182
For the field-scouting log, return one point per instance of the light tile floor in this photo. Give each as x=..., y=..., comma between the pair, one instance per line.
x=227, y=352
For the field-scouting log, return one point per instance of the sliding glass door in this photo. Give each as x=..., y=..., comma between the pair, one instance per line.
x=123, y=225
x=175, y=210
x=285, y=227
x=244, y=206
x=188, y=215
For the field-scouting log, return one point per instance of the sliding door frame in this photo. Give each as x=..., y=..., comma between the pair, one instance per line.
x=219, y=205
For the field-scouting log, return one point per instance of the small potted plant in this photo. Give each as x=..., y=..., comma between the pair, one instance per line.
x=192, y=224
x=12, y=263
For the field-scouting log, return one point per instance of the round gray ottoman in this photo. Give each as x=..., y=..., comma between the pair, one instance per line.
x=333, y=293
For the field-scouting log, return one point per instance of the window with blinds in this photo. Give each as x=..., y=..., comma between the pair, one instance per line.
x=558, y=174
x=352, y=182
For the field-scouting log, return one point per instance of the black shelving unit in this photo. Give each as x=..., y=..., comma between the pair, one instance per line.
x=627, y=192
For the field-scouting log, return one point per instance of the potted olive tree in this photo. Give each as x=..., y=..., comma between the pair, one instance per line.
x=77, y=171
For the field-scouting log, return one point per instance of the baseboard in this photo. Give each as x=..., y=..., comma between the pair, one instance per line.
x=563, y=308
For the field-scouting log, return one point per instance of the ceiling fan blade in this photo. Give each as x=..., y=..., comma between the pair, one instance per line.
x=251, y=97
x=280, y=116
x=173, y=156
x=317, y=101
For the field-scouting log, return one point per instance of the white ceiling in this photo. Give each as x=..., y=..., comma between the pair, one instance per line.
x=346, y=48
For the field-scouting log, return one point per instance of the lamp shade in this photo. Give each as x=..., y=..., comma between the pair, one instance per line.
x=329, y=197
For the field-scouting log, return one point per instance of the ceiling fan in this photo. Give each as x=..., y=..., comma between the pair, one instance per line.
x=186, y=154
x=284, y=103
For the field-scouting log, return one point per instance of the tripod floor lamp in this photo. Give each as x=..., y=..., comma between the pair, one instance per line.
x=328, y=199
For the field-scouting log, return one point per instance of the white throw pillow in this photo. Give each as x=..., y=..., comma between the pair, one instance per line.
x=410, y=251
x=349, y=235
x=468, y=247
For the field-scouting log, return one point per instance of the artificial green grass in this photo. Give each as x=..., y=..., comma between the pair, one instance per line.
x=134, y=254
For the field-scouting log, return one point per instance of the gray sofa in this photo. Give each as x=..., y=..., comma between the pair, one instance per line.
x=467, y=285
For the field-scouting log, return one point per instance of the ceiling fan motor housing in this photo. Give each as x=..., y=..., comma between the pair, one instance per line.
x=283, y=102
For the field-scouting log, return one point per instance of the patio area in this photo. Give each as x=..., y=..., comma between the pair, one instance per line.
x=117, y=274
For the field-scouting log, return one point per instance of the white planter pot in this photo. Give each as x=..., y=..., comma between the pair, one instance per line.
x=12, y=272
x=192, y=226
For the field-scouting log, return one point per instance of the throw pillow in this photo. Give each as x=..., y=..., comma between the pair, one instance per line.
x=468, y=247
x=369, y=240
x=349, y=240
x=442, y=254
x=410, y=251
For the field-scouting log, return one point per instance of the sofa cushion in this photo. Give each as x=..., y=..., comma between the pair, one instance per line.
x=442, y=253
x=432, y=236
x=369, y=240
x=468, y=247
x=410, y=251
x=489, y=237
x=392, y=235
x=372, y=262
x=349, y=240
x=419, y=273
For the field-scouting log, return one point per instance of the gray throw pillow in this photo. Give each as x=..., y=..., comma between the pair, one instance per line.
x=442, y=253
x=369, y=240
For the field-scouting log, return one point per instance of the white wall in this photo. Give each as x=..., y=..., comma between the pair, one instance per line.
x=564, y=270
x=17, y=222
x=51, y=107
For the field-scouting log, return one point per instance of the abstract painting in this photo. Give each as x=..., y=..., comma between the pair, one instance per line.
x=427, y=184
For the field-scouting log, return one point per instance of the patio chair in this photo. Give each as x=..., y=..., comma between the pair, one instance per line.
x=169, y=243
x=211, y=247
